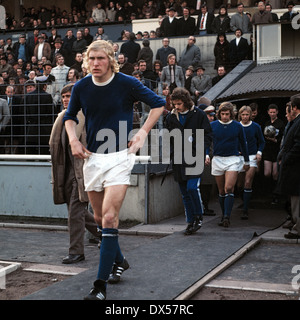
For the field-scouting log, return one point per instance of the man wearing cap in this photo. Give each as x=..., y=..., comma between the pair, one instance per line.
x=170, y=24
x=57, y=50
x=201, y=83
x=20, y=49
x=42, y=49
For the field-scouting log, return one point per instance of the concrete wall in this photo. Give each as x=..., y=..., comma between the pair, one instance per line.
x=26, y=191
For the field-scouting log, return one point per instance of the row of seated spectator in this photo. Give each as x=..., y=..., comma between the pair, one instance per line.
x=112, y=11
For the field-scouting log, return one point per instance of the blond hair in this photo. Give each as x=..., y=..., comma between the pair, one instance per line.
x=107, y=48
x=244, y=108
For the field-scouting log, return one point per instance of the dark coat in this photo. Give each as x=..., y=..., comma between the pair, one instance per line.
x=209, y=21
x=289, y=170
x=39, y=117
x=187, y=27
x=221, y=53
x=130, y=50
x=169, y=29
x=162, y=54
x=219, y=26
x=196, y=119
x=238, y=53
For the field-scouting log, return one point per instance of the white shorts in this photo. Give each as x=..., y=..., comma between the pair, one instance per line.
x=220, y=165
x=103, y=170
x=252, y=162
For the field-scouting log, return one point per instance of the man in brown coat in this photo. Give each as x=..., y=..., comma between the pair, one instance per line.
x=68, y=184
x=42, y=49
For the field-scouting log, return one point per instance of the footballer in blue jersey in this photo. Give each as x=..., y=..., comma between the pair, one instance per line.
x=228, y=139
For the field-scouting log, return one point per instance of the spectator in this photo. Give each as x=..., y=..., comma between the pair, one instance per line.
x=191, y=55
x=98, y=13
x=172, y=74
x=79, y=45
x=78, y=62
x=124, y=65
x=4, y=66
x=68, y=45
x=111, y=11
x=238, y=49
x=50, y=80
x=39, y=118
x=274, y=15
x=261, y=16
x=21, y=49
x=5, y=118
x=57, y=50
x=187, y=24
x=240, y=20
x=42, y=49
x=33, y=41
x=53, y=37
x=221, y=23
x=200, y=84
x=60, y=73
x=289, y=173
x=68, y=186
x=163, y=52
x=189, y=74
x=220, y=76
x=130, y=48
x=148, y=76
x=221, y=51
x=204, y=22
x=72, y=77
x=289, y=15
x=87, y=36
x=149, y=9
x=100, y=35
x=170, y=24
x=146, y=54
x=116, y=50
x=120, y=12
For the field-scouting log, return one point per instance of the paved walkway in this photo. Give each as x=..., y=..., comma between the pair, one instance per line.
x=163, y=262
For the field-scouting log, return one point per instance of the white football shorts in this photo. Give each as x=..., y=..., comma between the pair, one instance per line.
x=220, y=165
x=104, y=170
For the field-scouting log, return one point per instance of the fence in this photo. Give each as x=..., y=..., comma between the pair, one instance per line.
x=27, y=118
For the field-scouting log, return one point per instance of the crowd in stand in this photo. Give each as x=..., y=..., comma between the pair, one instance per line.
x=113, y=11
x=40, y=65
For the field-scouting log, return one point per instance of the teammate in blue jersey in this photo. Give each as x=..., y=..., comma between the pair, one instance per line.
x=228, y=139
x=256, y=144
x=106, y=98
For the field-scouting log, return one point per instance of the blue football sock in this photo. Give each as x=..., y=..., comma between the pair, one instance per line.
x=228, y=204
x=247, y=197
x=108, y=252
x=221, y=201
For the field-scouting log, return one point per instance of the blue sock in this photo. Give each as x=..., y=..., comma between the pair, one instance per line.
x=221, y=201
x=108, y=252
x=228, y=204
x=247, y=197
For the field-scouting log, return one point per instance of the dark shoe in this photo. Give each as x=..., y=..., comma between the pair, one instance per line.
x=209, y=212
x=73, y=258
x=275, y=200
x=98, y=292
x=117, y=271
x=226, y=223
x=244, y=215
x=197, y=224
x=221, y=222
x=189, y=229
x=292, y=235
